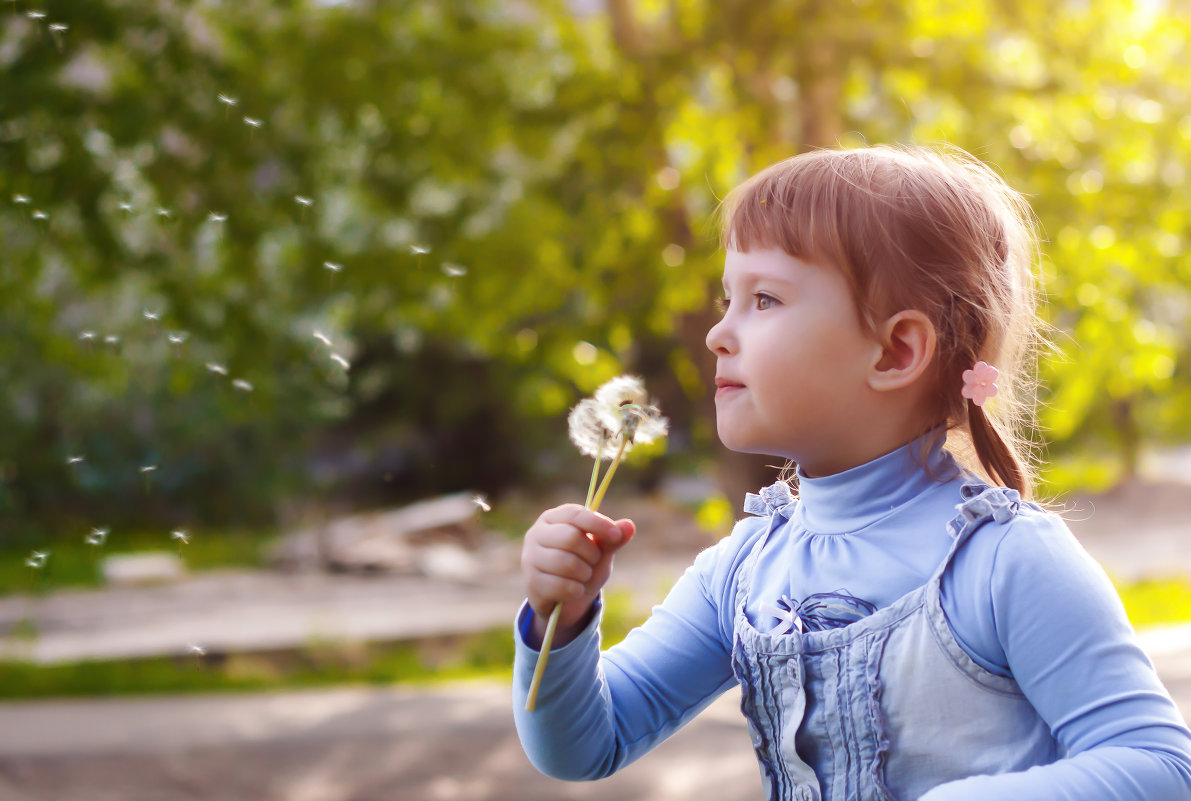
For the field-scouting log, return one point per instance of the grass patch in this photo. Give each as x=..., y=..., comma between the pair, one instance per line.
x=73, y=563
x=1157, y=601
x=320, y=664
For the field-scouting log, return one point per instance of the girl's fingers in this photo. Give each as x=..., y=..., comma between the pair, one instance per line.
x=566, y=537
x=563, y=564
x=555, y=589
x=602, y=528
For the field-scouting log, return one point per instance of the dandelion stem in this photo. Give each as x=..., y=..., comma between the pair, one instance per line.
x=543, y=655
x=595, y=474
x=595, y=504
x=548, y=638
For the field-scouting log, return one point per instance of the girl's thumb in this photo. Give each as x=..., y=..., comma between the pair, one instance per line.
x=627, y=529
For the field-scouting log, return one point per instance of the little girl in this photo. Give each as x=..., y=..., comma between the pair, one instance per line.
x=910, y=626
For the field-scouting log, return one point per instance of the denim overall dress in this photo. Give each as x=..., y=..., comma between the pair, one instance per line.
x=888, y=706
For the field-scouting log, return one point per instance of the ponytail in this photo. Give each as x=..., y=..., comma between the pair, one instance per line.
x=998, y=459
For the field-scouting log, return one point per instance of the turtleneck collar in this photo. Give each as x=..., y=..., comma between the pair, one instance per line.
x=849, y=501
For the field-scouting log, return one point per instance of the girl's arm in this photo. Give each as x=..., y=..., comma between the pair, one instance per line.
x=596, y=712
x=1054, y=622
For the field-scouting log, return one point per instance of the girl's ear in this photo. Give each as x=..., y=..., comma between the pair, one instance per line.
x=906, y=348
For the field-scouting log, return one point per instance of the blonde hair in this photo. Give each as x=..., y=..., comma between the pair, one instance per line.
x=933, y=230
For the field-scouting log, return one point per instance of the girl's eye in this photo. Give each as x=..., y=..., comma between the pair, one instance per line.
x=721, y=305
x=764, y=301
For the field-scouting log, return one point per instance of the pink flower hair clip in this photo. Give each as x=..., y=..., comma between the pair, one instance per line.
x=979, y=383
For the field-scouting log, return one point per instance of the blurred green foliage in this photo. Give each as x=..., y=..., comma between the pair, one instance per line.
x=513, y=201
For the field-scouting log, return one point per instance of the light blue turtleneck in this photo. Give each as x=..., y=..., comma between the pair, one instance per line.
x=1022, y=598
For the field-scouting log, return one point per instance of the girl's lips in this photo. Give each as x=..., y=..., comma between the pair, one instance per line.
x=726, y=389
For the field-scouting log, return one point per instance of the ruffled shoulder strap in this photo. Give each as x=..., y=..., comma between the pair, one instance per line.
x=774, y=499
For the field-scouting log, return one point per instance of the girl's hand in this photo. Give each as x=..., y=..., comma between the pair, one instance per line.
x=566, y=558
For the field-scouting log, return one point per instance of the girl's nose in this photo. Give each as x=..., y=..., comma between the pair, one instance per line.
x=719, y=339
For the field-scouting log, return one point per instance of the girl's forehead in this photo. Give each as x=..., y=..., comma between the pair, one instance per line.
x=768, y=263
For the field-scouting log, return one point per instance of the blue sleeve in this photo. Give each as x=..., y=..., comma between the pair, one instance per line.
x=596, y=713
x=1046, y=613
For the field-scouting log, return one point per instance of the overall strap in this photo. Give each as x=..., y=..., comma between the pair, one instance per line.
x=777, y=503
x=981, y=504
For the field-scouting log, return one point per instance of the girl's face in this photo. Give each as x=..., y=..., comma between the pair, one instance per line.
x=792, y=360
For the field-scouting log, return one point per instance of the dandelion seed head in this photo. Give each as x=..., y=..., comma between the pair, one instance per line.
x=216, y=368
x=87, y=335
x=482, y=502
x=342, y=362
x=621, y=390
x=323, y=338
x=454, y=270
x=252, y=122
x=587, y=429
x=242, y=385
x=419, y=250
x=303, y=201
x=21, y=199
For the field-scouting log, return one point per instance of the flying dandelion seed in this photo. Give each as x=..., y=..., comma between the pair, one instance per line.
x=163, y=212
x=342, y=362
x=112, y=339
x=216, y=218
x=97, y=536
x=323, y=338
x=252, y=122
x=332, y=266
x=227, y=100
x=87, y=336
x=37, y=559
x=216, y=368
x=56, y=29
x=35, y=15
x=482, y=502
x=153, y=316
x=149, y=468
x=126, y=207
x=181, y=536
x=76, y=460
x=177, y=337
x=419, y=250
x=40, y=215
x=454, y=270
x=303, y=201
x=21, y=199
x=196, y=650
x=242, y=385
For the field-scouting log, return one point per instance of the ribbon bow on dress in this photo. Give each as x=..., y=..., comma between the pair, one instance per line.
x=774, y=499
